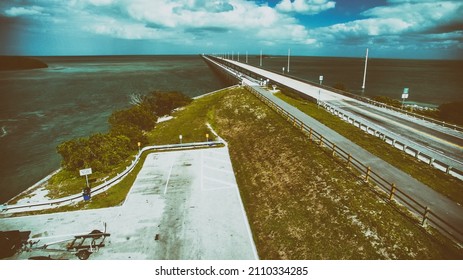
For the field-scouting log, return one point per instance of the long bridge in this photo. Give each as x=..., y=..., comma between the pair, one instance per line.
x=437, y=145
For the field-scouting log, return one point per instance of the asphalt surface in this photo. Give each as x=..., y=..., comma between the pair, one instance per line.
x=444, y=144
x=438, y=203
x=448, y=145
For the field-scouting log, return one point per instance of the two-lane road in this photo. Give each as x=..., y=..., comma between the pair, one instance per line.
x=444, y=144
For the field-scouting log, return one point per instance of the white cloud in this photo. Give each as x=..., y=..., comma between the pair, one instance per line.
x=405, y=23
x=309, y=7
x=23, y=11
x=166, y=20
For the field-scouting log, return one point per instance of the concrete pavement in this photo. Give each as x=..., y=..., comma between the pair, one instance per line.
x=183, y=205
x=444, y=144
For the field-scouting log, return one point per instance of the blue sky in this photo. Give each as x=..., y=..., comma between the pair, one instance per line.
x=389, y=28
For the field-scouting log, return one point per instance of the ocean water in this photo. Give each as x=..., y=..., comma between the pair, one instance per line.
x=75, y=96
x=430, y=82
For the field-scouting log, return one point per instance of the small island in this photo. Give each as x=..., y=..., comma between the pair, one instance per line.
x=20, y=63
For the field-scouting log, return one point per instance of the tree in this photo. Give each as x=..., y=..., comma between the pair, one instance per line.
x=162, y=103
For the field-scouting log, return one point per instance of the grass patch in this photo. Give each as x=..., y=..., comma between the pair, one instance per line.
x=436, y=179
x=301, y=203
x=65, y=183
x=189, y=121
x=115, y=196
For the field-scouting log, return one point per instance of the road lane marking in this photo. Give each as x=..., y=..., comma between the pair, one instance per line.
x=168, y=176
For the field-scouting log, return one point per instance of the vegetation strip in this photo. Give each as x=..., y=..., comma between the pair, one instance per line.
x=437, y=180
x=301, y=203
x=387, y=188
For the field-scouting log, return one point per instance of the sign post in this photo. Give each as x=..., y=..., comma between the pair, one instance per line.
x=207, y=137
x=86, y=172
x=139, y=144
x=404, y=96
x=180, y=137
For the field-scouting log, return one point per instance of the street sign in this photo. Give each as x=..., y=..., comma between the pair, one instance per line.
x=405, y=94
x=321, y=78
x=85, y=172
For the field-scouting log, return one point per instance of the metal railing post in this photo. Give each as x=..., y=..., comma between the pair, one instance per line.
x=425, y=216
x=391, y=195
x=367, y=176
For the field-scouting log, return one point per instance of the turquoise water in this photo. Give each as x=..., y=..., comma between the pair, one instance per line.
x=74, y=97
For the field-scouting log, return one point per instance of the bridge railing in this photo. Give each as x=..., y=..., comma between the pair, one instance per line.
x=394, y=140
x=361, y=98
x=385, y=189
x=107, y=184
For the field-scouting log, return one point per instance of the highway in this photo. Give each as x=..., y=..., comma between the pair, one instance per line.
x=441, y=143
x=450, y=146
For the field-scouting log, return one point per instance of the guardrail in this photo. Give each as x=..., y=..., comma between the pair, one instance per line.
x=355, y=96
x=108, y=184
x=389, y=138
x=386, y=135
x=389, y=190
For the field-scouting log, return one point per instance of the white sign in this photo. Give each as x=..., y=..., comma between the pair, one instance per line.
x=321, y=78
x=405, y=96
x=86, y=171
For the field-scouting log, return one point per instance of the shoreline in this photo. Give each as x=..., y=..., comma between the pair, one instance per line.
x=36, y=189
x=33, y=190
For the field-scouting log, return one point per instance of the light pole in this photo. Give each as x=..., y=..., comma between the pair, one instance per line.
x=260, y=64
x=365, y=72
x=321, y=80
x=246, y=57
x=289, y=53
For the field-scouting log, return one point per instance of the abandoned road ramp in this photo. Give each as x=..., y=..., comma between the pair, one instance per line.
x=183, y=205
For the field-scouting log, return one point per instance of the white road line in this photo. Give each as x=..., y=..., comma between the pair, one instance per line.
x=202, y=169
x=168, y=176
x=219, y=169
x=219, y=181
x=218, y=189
x=216, y=159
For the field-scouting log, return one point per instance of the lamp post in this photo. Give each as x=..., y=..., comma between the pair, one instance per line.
x=289, y=53
x=365, y=72
x=260, y=64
